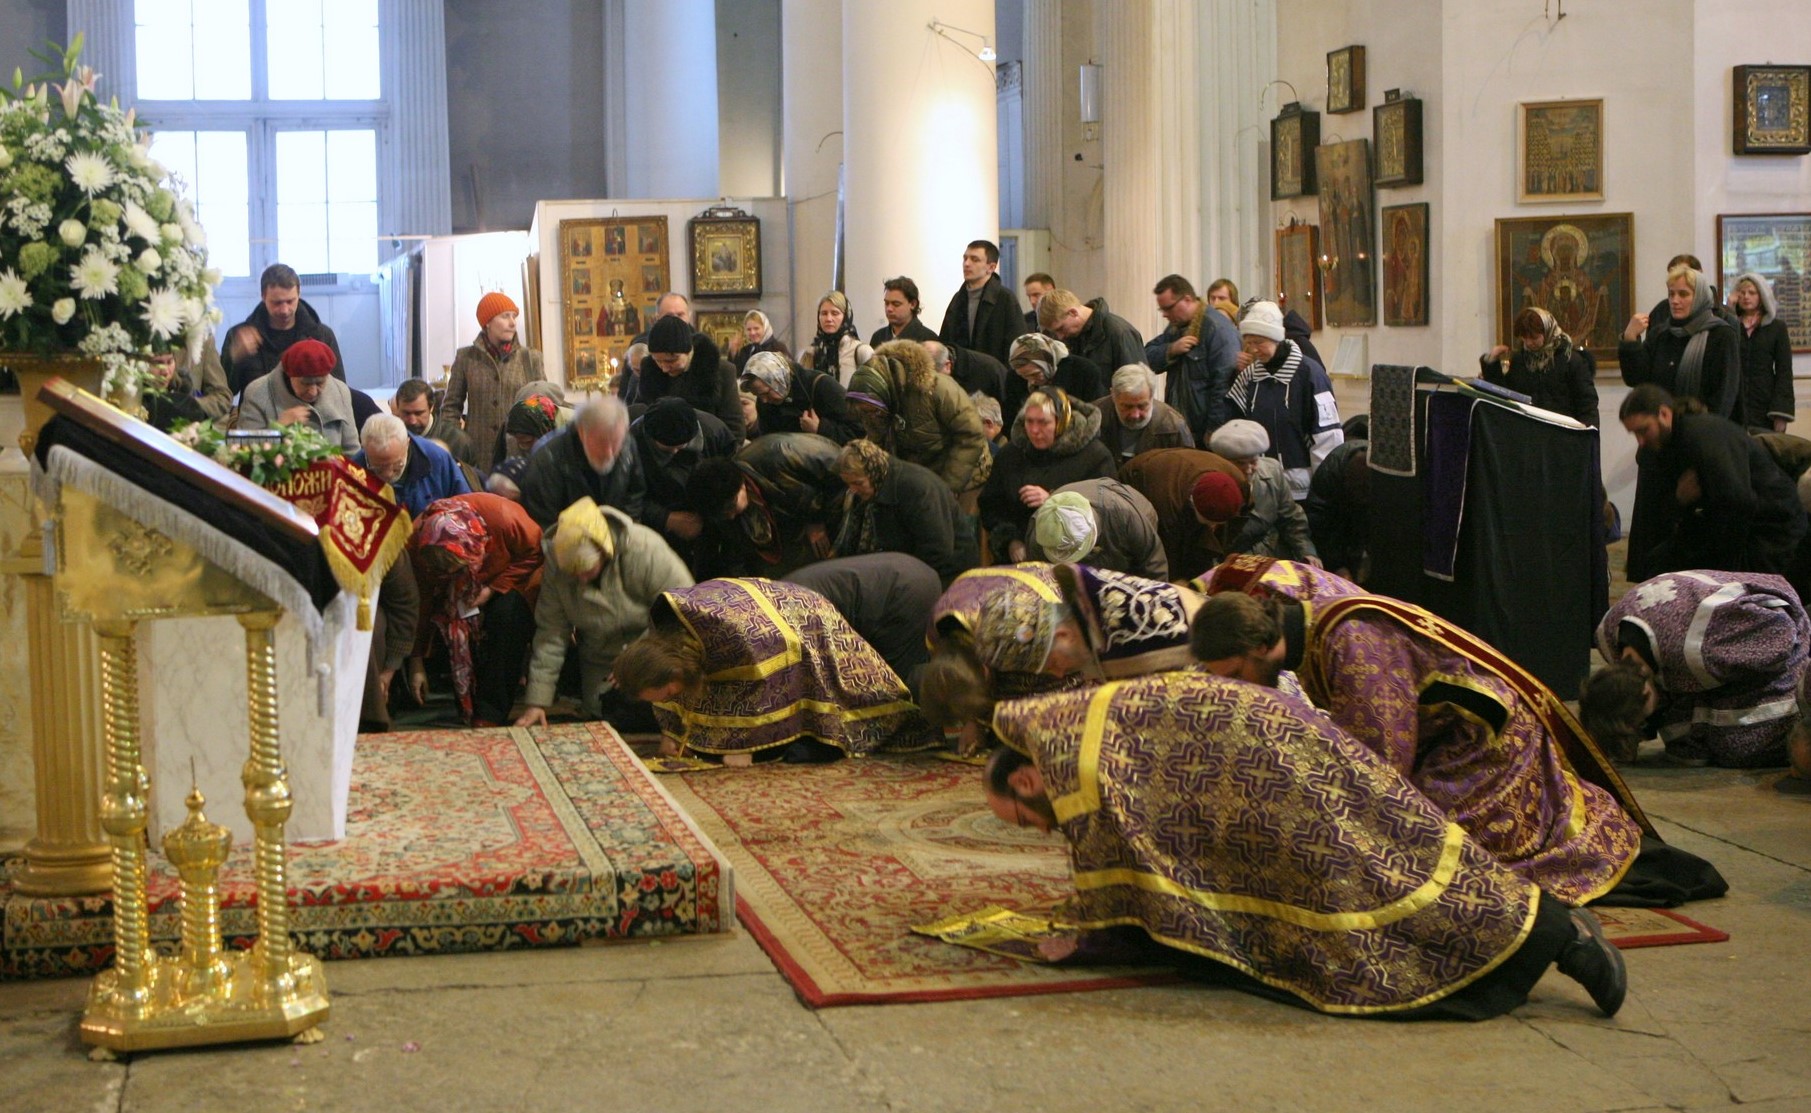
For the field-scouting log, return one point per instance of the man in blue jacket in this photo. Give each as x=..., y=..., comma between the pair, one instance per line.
x=417, y=469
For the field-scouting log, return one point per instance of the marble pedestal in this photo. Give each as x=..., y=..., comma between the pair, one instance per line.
x=193, y=703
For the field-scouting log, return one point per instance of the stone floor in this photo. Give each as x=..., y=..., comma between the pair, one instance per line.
x=709, y=1024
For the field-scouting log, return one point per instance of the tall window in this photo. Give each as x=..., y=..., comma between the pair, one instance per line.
x=271, y=113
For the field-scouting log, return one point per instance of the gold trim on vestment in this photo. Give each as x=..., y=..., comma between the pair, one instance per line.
x=1086, y=797
x=688, y=719
x=1425, y=894
x=760, y=670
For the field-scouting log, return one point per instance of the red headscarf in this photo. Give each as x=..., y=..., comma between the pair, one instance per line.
x=454, y=526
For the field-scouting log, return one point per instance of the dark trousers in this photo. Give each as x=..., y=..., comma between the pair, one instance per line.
x=501, y=655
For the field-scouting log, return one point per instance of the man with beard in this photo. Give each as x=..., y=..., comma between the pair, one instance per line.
x=591, y=458
x=1134, y=420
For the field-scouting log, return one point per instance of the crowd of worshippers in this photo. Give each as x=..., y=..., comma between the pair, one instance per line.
x=1148, y=611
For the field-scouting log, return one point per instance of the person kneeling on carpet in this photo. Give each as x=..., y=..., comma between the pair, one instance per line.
x=603, y=571
x=747, y=668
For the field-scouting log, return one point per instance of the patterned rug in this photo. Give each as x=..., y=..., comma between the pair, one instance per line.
x=834, y=864
x=456, y=840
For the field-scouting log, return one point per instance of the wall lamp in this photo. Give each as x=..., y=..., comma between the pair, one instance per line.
x=986, y=53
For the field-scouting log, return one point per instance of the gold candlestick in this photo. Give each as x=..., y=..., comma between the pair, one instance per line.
x=198, y=849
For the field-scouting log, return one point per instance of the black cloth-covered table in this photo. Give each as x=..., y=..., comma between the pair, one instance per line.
x=1529, y=574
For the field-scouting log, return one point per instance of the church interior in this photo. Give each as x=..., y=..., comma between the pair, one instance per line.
x=583, y=161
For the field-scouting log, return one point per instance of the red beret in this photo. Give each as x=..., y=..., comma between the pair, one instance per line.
x=1216, y=496
x=308, y=359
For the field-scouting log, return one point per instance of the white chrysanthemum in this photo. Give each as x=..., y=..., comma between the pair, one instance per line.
x=194, y=235
x=141, y=224
x=106, y=338
x=211, y=276
x=164, y=312
x=150, y=261
x=14, y=296
x=95, y=276
x=72, y=233
x=90, y=172
x=62, y=310
x=6, y=157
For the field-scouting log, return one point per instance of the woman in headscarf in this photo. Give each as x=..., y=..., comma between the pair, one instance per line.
x=1767, y=403
x=1039, y=362
x=743, y=668
x=757, y=336
x=529, y=420
x=1693, y=354
x=1055, y=441
x=1548, y=367
x=837, y=349
x=916, y=414
x=603, y=572
x=1002, y=633
x=896, y=506
x=478, y=565
x=793, y=399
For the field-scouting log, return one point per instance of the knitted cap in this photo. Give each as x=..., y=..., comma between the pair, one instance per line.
x=669, y=336
x=1216, y=496
x=1239, y=439
x=308, y=359
x=492, y=304
x=670, y=421
x=1262, y=318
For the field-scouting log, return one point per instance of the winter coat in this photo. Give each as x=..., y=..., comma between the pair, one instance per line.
x=793, y=482
x=1197, y=379
x=1748, y=518
x=1076, y=454
x=1766, y=355
x=1108, y=340
x=606, y=614
x=667, y=472
x=482, y=388
x=850, y=354
x=1339, y=511
x=266, y=398
x=559, y=475
x=1655, y=359
x=1166, y=429
x=998, y=321
x=913, y=512
x=933, y=421
x=1567, y=386
x=1272, y=524
x=811, y=390
x=1295, y=407
x=1077, y=376
x=242, y=371
x=915, y=329
x=430, y=475
x=708, y=383
x=1125, y=537
x=978, y=371
x=1167, y=477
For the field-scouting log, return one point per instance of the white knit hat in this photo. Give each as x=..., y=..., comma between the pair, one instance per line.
x=1262, y=318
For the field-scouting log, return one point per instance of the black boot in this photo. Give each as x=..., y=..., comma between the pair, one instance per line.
x=1593, y=961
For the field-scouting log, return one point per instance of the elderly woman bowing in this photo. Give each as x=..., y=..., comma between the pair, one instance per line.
x=603, y=572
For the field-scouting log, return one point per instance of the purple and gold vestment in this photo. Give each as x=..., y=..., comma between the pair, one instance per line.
x=1236, y=822
x=781, y=664
x=1729, y=650
x=1485, y=742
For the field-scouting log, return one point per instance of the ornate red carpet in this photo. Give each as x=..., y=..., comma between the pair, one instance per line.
x=835, y=863
x=456, y=840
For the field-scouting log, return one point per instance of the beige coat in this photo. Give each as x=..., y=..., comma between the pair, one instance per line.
x=606, y=615
x=483, y=390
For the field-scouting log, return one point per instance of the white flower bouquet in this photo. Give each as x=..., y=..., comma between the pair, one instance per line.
x=265, y=456
x=98, y=254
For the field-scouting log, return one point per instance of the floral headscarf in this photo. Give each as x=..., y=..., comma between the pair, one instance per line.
x=454, y=526
x=771, y=369
x=1044, y=352
x=532, y=417
x=828, y=345
x=857, y=534
x=1056, y=400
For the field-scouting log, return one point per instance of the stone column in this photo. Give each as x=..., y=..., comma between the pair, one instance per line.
x=1131, y=149
x=1176, y=81
x=811, y=51
x=669, y=99
x=1042, y=77
x=418, y=197
x=920, y=140
x=108, y=44
x=1238, y=49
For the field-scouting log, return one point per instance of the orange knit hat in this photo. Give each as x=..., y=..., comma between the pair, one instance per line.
x=492, y=304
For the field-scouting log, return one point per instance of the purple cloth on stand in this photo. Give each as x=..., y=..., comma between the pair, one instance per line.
x=1443, y=495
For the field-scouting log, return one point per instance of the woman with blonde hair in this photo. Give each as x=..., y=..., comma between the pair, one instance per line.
x=757, y=336
x=837, y=349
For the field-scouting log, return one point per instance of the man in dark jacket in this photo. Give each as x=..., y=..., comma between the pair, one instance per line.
x=1199, y=352
x=592, y=456
x=1738, y=511
x=255, y=346
x=972, y=370
x=419, y=471
x=1091, y=332
x=901, y=308
x=687, y=364
x=897, y=506
x=671, y=439
x=1132, y=420
x=983, y=315
x=885, y=596
x=769, y=509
